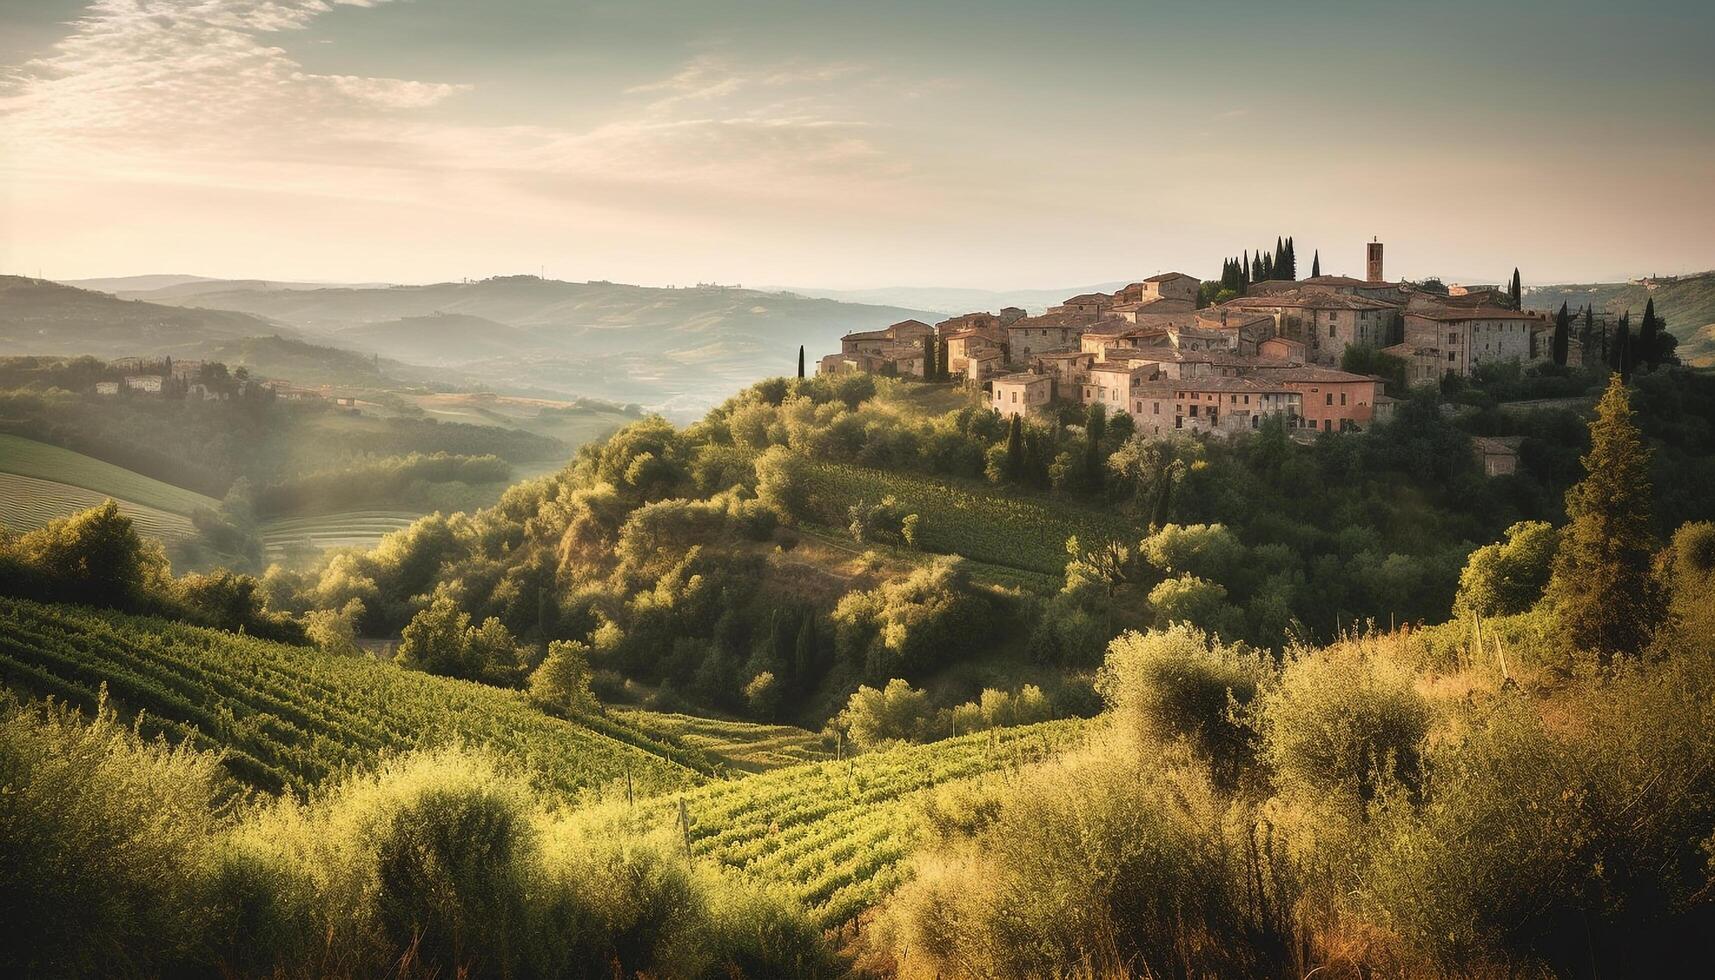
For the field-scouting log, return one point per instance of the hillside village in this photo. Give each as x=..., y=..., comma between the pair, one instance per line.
x=1152, y=351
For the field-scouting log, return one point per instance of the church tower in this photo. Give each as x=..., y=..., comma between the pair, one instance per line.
x=1373, y=262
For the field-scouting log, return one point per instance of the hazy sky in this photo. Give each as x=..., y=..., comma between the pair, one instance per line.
x=857, y=143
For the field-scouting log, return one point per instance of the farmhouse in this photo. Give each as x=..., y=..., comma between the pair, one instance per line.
x=150, y=383
x=107, y=387
x=1052, y=331
x=1018, y=394
x=1464, y=339
x=1498, y=456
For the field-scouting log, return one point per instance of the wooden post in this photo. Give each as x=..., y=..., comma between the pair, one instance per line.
x=685, y=825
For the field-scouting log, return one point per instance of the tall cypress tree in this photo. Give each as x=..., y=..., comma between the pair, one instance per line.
x=806, y=661
x=1587, y=338
x=1515, y=291
x=1620, y=356
x=1649, y=336
x=800, y=360
x=1014, y=469
x=1267, y=266
x=1250, y=268
x=1095, y=426
x=1562, y=334
x=1316, y=264
x=1602, y=587
x=1291, y=262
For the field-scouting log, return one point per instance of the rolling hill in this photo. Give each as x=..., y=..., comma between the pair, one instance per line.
x=1688, y=304
x=677, y=350
x=41, y=317
x=289, y=717
x=442, y=339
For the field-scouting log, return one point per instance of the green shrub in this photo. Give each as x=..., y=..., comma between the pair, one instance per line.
x=1101, y=866
x=102, y=839
x=1342, y=725
x=1182, y=684
x=1509, y=576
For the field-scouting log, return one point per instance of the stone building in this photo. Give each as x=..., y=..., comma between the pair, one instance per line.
x=1020, y=393
x=1051, y=331
x=1461, y=340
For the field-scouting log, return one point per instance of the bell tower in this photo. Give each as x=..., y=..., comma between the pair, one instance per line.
x=1373, y=261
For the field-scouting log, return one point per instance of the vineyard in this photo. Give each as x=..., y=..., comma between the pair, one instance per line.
x=353, y=529
x=27, y=503
x=832, y=834
x=289, y=717
x=964, y=517
x=26, y=457
x=743, y=745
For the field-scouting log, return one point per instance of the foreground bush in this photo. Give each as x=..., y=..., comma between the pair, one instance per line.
x=102, y=835
x=115, y=859
x=1182, y=684
x=1155, y=874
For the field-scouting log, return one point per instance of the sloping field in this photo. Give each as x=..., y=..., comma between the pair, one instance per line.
x=835, y=834
x=973, y=519
x=26, y=457
x=27, y=503
x=289, y=717
x=352, y=529
x=743, y=745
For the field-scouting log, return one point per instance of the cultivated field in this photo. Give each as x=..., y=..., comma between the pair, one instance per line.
x=27, y=503
x=352, y=529
x=742, y=745
x=289, y=717
x=833, y=834
x=965, y=517
x=26, y=457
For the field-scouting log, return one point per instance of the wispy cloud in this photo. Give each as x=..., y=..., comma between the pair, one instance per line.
x=203, y=90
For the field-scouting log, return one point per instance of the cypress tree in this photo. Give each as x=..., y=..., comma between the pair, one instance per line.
x=1267, y=266
x=1316, y=264
x=1278, y=266
x=1562, y=333
x=1649, y=337
x=1250, y=268
x=1095, y=425
x=1587, y=338
x=1015, y=449
x=800, y=360
x=805, y=660
x=1602, y=587
x=1515, y=291
x=1620, y=356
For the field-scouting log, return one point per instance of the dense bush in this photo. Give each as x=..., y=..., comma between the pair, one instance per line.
x=929, y=618
x=1182, y=684
x=1155, y=874
x=1342, y=725
x=117, y=859
x=101, y=838
x=1509, y=576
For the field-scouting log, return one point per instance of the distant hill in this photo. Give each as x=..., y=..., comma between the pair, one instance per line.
x=677, y=350
x=174, y=288
x=305, y=363
x=42, y=317
x=952, y=301
x=442, y=339
x=1688, y=304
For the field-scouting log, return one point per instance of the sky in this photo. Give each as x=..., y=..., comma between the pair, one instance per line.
x=848, y=144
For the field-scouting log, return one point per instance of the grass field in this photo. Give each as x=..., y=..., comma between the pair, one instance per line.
x=834, y=834
x=27, y=503
x=742, y=745
x=26, y=457
x=352, y=529
x=966, y=517
x=289, y=717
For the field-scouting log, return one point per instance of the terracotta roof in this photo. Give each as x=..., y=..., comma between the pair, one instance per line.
x=1169, y=277
x=1475, y=313
x=1062, y=354
x=1224, y=384
x=1319, y=375
x=1057, y=320
x=1021, y=377
x=1107, y=367
x=1310, y=300
x=1087, y=298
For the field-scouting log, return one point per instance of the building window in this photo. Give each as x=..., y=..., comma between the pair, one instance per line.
x=1342, y=398
x=1157, y=408
x=1194, y=411
x=1330, y=397
x=1179, y=422
x=1330, y=330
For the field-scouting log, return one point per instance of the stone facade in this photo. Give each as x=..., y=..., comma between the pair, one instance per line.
x=1020, y=394
x=1463, y=340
